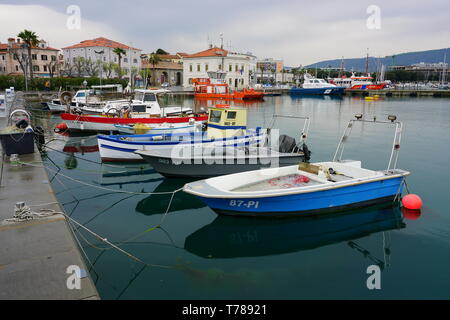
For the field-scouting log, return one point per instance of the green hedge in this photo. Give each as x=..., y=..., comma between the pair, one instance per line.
x=38, y=84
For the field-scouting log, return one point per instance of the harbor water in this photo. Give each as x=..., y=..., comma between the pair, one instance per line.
x=195, y=254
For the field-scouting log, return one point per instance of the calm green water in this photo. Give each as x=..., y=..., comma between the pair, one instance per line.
x=203, y=256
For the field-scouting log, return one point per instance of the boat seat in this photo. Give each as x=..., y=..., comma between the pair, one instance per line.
x=308, y=167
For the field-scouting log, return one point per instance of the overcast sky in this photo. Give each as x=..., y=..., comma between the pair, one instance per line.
x=299, y=32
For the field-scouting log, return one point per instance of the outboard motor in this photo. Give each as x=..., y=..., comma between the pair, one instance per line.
x=287, y=144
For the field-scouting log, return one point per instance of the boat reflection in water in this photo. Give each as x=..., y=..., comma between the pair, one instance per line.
x=158, y=203
x=231, y=237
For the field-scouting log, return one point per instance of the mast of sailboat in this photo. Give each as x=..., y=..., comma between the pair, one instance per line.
x=342, y=67
x=367, y=62
x=444, y=67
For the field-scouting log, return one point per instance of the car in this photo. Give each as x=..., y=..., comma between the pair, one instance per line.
x=165, y=85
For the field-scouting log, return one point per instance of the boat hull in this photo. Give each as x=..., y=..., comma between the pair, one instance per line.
x=108, y=124
x=207, y=168
x=55, y=107
x=331, y=200
x=317, y=91
x=113, y=149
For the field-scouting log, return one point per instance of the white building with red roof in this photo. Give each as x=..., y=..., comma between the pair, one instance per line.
x=102, y=49
x=240, y=68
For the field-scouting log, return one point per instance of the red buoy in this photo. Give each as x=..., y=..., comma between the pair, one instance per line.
x=412, y=202
x=61, y=127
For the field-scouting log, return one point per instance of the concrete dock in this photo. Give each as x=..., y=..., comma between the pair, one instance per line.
x=35, y=255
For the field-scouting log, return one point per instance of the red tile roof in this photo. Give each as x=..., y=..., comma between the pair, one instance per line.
x=15, y=45
x=100, y=42
x=213, y=52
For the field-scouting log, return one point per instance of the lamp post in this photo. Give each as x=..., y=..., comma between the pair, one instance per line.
x=85, y=93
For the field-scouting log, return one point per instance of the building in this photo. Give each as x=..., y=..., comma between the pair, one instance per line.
x=46, y=60
x=164, y=72
x=269, y=71
x=101, y=50
x=424, y=67
x=240, y=68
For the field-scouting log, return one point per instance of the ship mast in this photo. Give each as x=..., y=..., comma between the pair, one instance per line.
x=367, y=62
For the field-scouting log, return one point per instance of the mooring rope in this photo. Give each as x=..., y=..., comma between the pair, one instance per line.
x=100, y=187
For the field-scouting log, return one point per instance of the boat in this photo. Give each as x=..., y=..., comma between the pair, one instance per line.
x=316, y=86
x=306, y=189
x=108, y=123
x=359, y=82
x=233, y=133
x=211, y=161
x=143, y=109
x=55, y=105
x=141, y=128
x=216, y=87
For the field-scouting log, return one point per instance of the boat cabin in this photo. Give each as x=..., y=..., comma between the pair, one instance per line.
x=225, y=121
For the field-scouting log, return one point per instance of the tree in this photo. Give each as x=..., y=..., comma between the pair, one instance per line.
x=30, y=39
x=92, y=68
x=154, y=59
x=22, y=59
x=117, y=69
x=108, y=68
x=79, y=65
x=119, y=52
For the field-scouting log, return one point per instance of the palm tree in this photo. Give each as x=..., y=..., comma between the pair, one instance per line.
x=154, y=59
x=120, y=52
x=30, y=38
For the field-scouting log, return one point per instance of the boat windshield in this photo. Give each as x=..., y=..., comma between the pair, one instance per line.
x=141, y=96
x=81, y=94
x=215, y=116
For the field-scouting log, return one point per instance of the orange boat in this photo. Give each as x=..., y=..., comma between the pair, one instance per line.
x=208, y=88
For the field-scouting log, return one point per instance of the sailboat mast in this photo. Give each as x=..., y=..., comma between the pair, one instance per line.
x=367, y=62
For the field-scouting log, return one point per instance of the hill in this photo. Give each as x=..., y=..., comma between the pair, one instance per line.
x=359, y=64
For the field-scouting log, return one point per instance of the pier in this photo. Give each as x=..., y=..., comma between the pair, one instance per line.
x=35, y=255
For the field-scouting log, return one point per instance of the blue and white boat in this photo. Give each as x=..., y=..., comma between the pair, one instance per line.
x=226, y=127
x=306, y=188
x=315, y=86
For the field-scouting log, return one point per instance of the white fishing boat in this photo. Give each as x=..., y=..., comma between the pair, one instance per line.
x=305, y=189
x=232, y=131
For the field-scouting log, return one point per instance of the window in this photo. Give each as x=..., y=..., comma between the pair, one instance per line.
x=45, y=68
x=15, y=56
x=44, y=57
x=3, y=57
x=53, y=58
x=35, y=68
x=206, y=67
x=230, y=68
x=198, y=68
x=231, y=115
x=17, y=68
x=215, y=116
x=236, y=68
x=34, y=56
x=135, y=61
x=125, y=59
x=190, y=67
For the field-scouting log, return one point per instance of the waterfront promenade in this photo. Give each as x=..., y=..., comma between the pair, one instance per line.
x=35, y=255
